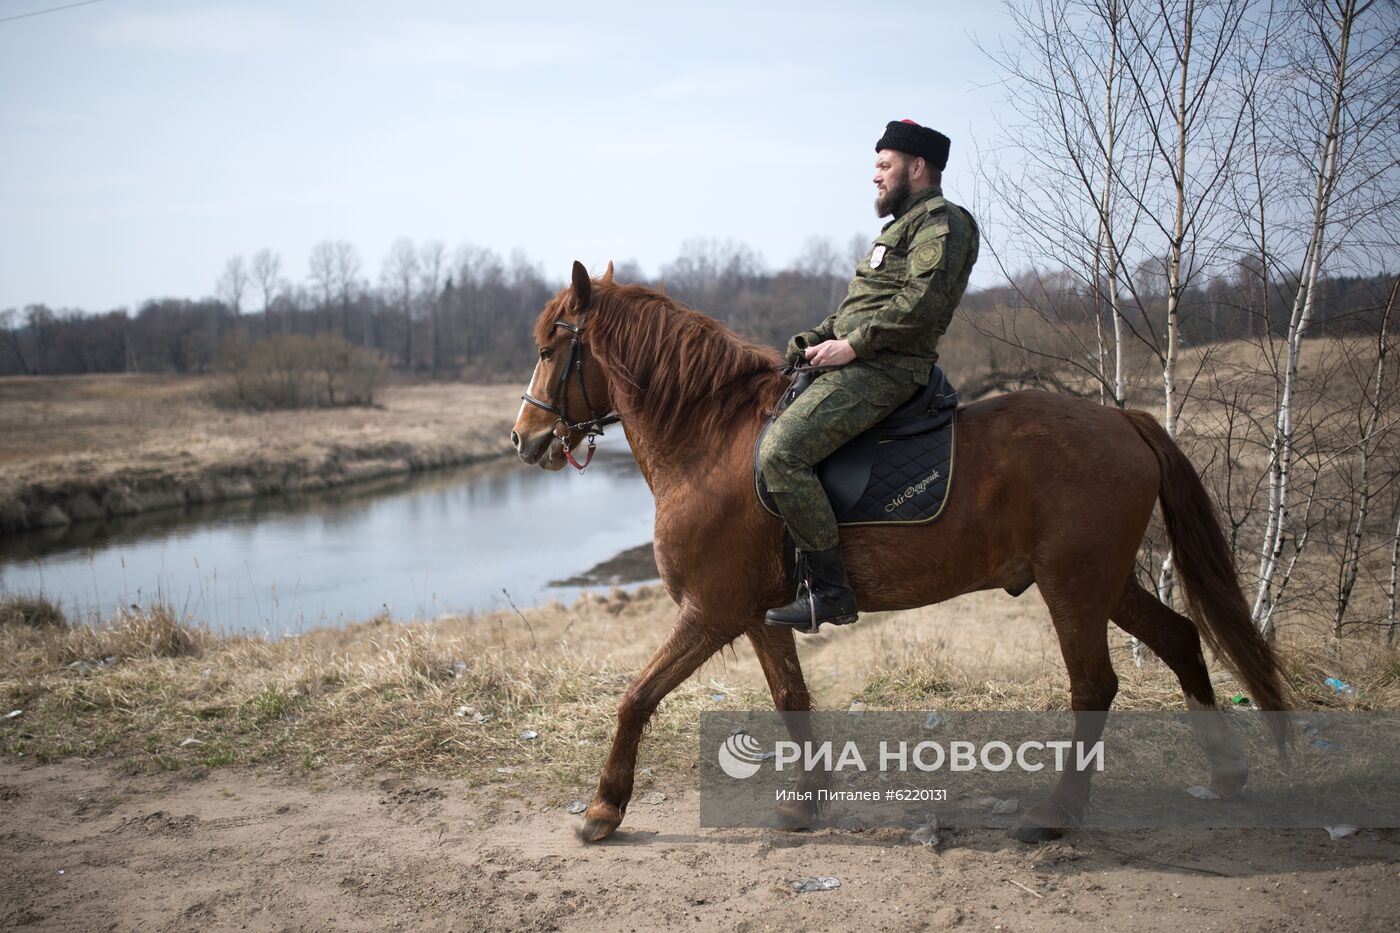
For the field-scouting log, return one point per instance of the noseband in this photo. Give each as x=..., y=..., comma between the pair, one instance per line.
x=558, y=405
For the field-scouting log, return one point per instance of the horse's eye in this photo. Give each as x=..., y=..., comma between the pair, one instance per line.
x=546, y=353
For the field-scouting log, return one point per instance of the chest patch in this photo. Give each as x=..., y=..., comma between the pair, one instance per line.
x=877, y=256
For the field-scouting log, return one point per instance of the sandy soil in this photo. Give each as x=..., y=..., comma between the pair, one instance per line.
x=92, y=446
x=87, y=849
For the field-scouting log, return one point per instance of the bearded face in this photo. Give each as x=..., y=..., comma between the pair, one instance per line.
x=890, y=198
x=892, y=181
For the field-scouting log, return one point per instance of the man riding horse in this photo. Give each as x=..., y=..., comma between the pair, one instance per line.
x=881, y=344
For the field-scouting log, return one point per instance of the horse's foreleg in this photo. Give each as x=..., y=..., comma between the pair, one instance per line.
x=781, y=668
x=688, y=646
x=1083, y=635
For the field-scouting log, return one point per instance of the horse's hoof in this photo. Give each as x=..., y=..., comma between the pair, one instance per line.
x=599, y=821
x=1041, y=823
x=794, y=816
x=1031, y=833
x=1229, y=780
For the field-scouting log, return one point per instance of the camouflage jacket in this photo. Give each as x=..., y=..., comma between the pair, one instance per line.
x=906, y=288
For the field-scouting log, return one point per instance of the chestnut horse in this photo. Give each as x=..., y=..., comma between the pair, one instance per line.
x=1049, y=489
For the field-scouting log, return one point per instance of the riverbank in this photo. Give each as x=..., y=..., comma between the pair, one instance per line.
x=86, y=447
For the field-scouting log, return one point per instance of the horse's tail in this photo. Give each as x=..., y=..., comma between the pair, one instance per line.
x=1207, y=571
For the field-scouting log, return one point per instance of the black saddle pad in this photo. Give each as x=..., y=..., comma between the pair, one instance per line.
x=898, y=472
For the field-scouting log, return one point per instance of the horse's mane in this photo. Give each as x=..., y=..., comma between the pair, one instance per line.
x=684, y=375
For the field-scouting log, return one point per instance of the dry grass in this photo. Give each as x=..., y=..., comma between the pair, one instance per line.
x=451, y=696
x=32, y=611
x=457, y=696
x=91, y=447
x=89, y=428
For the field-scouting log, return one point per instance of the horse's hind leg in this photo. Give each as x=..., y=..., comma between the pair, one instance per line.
x=690, y=643
x=781, y=668
x=1173, y=638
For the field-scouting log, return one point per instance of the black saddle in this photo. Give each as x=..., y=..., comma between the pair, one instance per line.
x=897, y=472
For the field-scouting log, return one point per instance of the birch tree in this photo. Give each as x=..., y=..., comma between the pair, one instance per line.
x=1394, y=581
x=1130, y=113
x=1068, y=114
x=233, y=283
x=432, y=261
x=1371, y=433
x=398, y=278
x=1339, y=84
x=267, y=276
x=323, y=279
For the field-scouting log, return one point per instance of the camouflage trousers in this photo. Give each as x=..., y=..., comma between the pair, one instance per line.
x=839, y=405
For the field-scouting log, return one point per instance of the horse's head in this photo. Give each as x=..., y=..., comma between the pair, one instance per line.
x=568, y=396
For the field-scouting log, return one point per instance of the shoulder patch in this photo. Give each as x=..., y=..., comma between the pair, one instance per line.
x=927, y=256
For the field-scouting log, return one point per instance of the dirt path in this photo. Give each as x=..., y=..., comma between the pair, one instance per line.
x=86, y=848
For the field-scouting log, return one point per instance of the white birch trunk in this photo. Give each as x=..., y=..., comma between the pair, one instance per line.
x=1166, y=580
x=1281, y=447
x=1106, y=207
x=1394, y=579
x=1351, y=554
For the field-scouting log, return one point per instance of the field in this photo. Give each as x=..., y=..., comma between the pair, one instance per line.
x=89, y=446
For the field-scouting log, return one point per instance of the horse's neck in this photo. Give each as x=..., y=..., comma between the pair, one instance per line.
x=652, y=465
x=667, y=456
x=663, y=467
x=667, y=466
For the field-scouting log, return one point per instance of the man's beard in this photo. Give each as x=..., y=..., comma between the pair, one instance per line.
x=893, y=197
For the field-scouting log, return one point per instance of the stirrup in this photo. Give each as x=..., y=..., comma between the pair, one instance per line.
x=812, y=627
x=812, y=624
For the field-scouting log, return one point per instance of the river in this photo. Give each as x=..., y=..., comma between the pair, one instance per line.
x=419, y=546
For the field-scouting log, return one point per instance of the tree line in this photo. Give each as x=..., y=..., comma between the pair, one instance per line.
x=468, y=314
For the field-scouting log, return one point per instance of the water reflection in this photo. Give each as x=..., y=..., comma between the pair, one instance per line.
x=420, y=546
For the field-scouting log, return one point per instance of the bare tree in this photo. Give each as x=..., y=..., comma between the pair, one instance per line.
x=1126, y=117
x=267, y=275
x=399, y=278
x=1340, y=84
x=709, y=274
x=1371, y=430
x=1394, y=581
x=432, y=259
x=9, y=334
x=233, y=283
x=323, y=279
x=1068, y=109
x=346, y=266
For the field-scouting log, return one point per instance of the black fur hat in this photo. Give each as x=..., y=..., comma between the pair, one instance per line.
x=908, y=136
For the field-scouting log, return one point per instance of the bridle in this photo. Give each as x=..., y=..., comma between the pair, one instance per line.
x=558, y=405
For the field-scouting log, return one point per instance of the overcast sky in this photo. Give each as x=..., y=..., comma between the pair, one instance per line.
x=143, y=142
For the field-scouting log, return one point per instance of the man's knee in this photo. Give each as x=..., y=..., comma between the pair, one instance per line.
x=777, y=460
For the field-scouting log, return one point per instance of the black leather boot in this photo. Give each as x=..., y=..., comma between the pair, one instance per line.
x=826, y=597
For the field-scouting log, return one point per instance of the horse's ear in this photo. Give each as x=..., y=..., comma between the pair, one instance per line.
x=608, y=275
x=583, y=285
x=661, y=284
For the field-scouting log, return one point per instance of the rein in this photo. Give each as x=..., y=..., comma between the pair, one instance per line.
x=558, y=405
